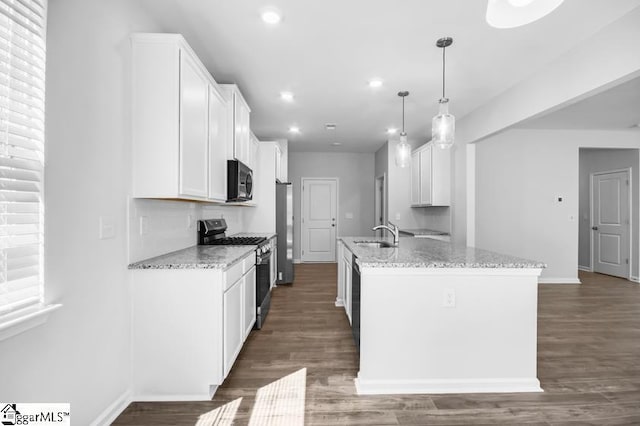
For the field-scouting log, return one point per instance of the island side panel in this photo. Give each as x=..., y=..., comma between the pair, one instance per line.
x=412, y=343
x=177, y=333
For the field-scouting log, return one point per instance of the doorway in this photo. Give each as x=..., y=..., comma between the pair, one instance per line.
x=611, y=222
x=380, y=198
x=319, y=219
x=607, y=202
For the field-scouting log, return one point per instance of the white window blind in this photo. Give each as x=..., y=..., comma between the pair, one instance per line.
x=22, y=79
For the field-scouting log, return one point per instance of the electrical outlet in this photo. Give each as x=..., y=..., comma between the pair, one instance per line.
x=107, y=228
x=348, y=215
x=397, y=216
x=449, y=298
x=144, y=225
x=190, y=221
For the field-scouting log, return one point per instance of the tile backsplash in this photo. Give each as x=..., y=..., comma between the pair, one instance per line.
x=161, y=226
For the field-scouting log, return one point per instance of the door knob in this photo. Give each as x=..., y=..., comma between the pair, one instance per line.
x=333, y=224
x=595, y=228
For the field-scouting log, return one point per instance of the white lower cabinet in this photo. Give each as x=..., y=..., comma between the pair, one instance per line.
x=249, y=298
x=233, y=324
x=189, y=326
x=344, y=278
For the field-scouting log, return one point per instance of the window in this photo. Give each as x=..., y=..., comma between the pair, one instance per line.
x=22, y=79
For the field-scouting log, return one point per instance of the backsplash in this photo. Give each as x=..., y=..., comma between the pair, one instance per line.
x=161, y=226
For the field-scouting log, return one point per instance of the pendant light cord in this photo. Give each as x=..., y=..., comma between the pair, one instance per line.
x=403, y=114
x=443, y=69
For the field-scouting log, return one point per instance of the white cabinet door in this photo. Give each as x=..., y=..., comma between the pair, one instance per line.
x=218, y=142
x=249, y=298
x=415, y=178
x=425, y=175
x=347, y=283
x=233, y=324
x=194, y=119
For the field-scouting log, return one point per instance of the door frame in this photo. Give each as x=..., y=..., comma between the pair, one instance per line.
x=380, y=180
x=592, y=177
x=302, y=233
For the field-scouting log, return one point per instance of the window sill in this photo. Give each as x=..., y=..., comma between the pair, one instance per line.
x=25, y=320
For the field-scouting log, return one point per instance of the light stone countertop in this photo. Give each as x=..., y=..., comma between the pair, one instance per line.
x=196, y=257
x=428, y=253
x=422, y=231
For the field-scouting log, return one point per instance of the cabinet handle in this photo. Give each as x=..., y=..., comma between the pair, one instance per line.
x=595, y=228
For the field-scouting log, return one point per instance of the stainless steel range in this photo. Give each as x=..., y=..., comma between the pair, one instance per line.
x=213, y=232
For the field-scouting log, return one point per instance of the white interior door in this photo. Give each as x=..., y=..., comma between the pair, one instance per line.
x=319, y=220
x=611, y=223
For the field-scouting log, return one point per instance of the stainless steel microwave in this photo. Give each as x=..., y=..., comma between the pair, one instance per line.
x=239, y=181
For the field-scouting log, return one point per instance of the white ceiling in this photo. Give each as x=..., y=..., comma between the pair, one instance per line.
x=326, y=51
x=616, y=108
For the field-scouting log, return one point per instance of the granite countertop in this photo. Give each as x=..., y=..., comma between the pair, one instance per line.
x=196, y=257
x=267, y=235
x=428, y=253
x=422, y=231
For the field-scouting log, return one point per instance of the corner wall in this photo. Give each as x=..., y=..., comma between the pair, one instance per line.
x=519, y=175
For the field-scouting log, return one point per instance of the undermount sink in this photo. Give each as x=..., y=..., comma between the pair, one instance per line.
x=375, y=244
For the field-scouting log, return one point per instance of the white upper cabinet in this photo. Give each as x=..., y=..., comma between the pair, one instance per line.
x=180, y=122
x=218, y=142
x=252, y=158
x=240, y=142
x=194, y=123
x=430, y=176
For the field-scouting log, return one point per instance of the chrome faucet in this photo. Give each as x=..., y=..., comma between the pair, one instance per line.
x=394, y=231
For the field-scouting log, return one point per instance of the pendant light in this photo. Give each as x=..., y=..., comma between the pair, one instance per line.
x=403, y=149
x=443, y=125
x=515, y=13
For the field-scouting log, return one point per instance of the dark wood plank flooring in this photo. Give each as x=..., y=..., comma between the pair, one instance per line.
x=588, y=364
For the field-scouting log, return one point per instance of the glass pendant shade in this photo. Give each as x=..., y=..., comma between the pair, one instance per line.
x=443, y=126
x=515, y=13
x=403, y=152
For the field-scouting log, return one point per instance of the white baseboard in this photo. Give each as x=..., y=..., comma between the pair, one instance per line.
x=559, y=280
x=178, y=397
x=112, y=412
x=634, y=279
x=297, y=261
x=585, y=268
x=380, y=387
x=339, y=302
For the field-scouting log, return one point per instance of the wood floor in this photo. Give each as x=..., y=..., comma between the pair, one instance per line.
x=588, y=365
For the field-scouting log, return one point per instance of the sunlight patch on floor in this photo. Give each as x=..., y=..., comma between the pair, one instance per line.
x=282, y=402
x=221, y=416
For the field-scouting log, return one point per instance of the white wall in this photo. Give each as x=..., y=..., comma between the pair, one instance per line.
x=355, y=189
x=602, y=61
x=82, y=354
x=603, y=160
x=519, y=174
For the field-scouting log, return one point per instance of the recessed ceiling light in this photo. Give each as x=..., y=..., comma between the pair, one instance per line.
x=286, y=96
x=392, y=131
x=294, y=129
x=374, y=83
x=271, y=17
x=336, y=143
x=330, y=126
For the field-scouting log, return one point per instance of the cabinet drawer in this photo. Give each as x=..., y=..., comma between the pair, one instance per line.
x=238, y=269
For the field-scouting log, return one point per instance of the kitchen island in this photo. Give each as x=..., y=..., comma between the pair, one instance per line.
x=432, y=317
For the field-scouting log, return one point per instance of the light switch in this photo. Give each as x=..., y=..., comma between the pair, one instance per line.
x=107, y=228
x=397, y=216
x=144, y=225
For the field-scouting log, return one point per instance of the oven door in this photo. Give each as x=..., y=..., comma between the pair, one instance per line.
x=263, y=287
